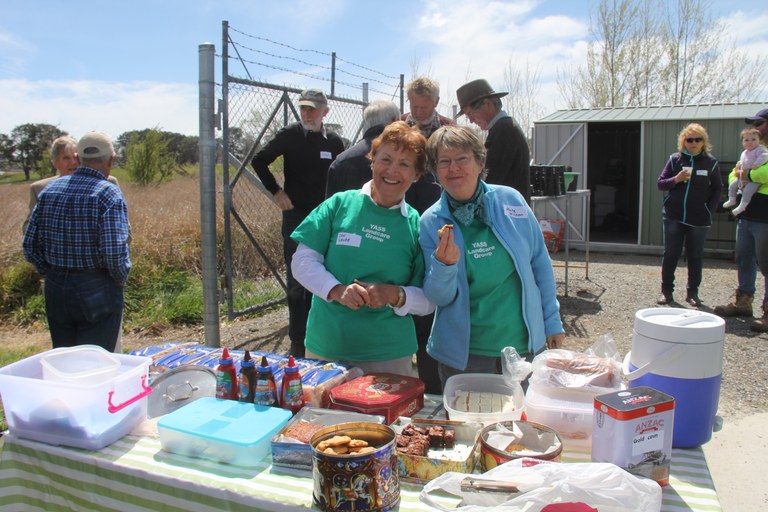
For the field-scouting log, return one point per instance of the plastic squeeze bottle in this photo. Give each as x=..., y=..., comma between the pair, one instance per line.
x=226, y=377
x=265, y=392
x=291, y=394
x=247, y=379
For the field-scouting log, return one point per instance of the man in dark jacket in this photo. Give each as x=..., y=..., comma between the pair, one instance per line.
x=307, y=150
x=508, y=158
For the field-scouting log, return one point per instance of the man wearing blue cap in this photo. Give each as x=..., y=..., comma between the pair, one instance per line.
x=752, y=237
x=307, y=150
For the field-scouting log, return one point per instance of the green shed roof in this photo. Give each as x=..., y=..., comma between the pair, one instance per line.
x=660, y=113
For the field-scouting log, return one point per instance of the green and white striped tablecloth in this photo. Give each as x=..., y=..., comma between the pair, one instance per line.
x=135, y=474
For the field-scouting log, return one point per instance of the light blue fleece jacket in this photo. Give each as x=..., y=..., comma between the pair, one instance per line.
x=514, y=224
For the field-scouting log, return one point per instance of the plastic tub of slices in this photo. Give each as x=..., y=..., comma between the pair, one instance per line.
x=485, y=398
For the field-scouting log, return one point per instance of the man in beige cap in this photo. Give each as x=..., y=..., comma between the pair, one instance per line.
x=508, y=158
x=307, y=149
x=64, y=159
x=77, y=238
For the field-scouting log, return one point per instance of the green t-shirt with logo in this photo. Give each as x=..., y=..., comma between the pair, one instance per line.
x=361, y=240
x=495, y=290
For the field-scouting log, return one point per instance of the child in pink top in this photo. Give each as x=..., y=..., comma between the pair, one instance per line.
x=754, y=155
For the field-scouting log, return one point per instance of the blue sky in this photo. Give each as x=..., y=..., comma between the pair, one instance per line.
x=118, y=66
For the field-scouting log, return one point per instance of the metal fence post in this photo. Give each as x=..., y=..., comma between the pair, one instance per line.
x=207, y=147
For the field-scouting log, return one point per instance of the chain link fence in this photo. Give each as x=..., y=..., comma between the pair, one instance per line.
x=253, y=271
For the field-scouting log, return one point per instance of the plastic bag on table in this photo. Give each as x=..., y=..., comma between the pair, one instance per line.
x=514, y=367
x=596, y=370
x=603, y=486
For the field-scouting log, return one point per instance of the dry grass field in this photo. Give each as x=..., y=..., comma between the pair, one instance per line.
x=165, y=219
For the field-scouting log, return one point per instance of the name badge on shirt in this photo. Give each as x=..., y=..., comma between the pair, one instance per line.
x=701, y=172
x=350, y=239
x=326, y=155
x=516, y=212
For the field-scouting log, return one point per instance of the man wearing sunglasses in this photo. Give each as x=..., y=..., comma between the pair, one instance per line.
x=752, y=238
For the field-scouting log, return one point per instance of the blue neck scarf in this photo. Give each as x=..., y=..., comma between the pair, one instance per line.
x=467, y=211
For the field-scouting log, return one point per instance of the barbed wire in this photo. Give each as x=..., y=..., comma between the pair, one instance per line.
x=366, y=79
x=315, y=77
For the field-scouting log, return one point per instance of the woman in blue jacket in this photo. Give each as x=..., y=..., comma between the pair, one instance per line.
x=693, y=184
x=489, y=273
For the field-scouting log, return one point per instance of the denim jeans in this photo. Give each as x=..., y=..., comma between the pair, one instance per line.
x=299, y=298
x=751, y=254
x=677, y=235
x=83, y=308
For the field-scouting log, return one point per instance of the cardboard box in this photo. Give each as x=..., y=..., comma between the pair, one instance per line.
x=633, y=429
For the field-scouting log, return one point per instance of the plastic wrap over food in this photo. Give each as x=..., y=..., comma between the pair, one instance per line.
x=317, y=377
x=596, y=370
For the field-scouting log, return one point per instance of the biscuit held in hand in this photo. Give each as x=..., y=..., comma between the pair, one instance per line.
x=441, y=231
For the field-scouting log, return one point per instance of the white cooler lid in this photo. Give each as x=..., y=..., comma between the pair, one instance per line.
x=680, y=325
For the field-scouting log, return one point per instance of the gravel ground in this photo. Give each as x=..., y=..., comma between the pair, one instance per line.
x=605, y=304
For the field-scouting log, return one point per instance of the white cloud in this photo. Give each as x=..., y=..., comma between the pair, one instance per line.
x=478, y=39
x=111, y=107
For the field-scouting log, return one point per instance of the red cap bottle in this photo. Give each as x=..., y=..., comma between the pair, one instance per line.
x=292, y=393
x=226, y=377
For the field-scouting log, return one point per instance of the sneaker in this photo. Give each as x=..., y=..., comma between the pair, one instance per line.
x=694, y=300
x=664, y=298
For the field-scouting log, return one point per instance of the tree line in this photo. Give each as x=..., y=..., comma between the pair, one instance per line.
x=149, y=155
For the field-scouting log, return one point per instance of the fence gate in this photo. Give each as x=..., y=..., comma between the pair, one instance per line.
x=252, y=271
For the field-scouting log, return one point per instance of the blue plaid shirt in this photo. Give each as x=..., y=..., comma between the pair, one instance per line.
x=80, y=222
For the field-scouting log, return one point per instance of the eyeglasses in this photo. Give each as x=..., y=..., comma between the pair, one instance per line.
x=475, y=105
x=691, y=140
x=758, y=123
x=445, y=163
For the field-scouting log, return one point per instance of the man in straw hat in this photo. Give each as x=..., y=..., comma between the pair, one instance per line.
x=77, y=238
x=508, y=158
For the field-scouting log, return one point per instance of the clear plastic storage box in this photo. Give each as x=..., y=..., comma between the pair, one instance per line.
x=80, y=414
x=568, y=411
x=478, y=383
x=224, y=431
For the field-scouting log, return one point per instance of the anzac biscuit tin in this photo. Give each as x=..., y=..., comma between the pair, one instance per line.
x=354, y=468
x=385, y=394
x=633, y=429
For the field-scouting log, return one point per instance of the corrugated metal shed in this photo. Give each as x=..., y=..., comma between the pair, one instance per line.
x=619, y=153
x=660, y=113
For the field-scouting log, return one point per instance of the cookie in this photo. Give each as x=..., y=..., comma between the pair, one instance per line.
x=333, y=441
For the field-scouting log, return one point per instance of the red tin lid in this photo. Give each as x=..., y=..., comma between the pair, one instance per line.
x=377, y=389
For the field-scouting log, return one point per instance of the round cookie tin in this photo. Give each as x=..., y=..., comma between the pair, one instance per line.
x=355, y=482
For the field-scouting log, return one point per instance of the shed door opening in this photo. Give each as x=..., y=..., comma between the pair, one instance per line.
x=613, y=160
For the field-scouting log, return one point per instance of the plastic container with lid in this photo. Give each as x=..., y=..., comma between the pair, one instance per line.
x=479, y=383
x=224, y=431
x=88, y=416
x=568, y=411
x=83, y=364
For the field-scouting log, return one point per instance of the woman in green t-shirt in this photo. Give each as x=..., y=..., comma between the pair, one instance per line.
x=359, y=254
